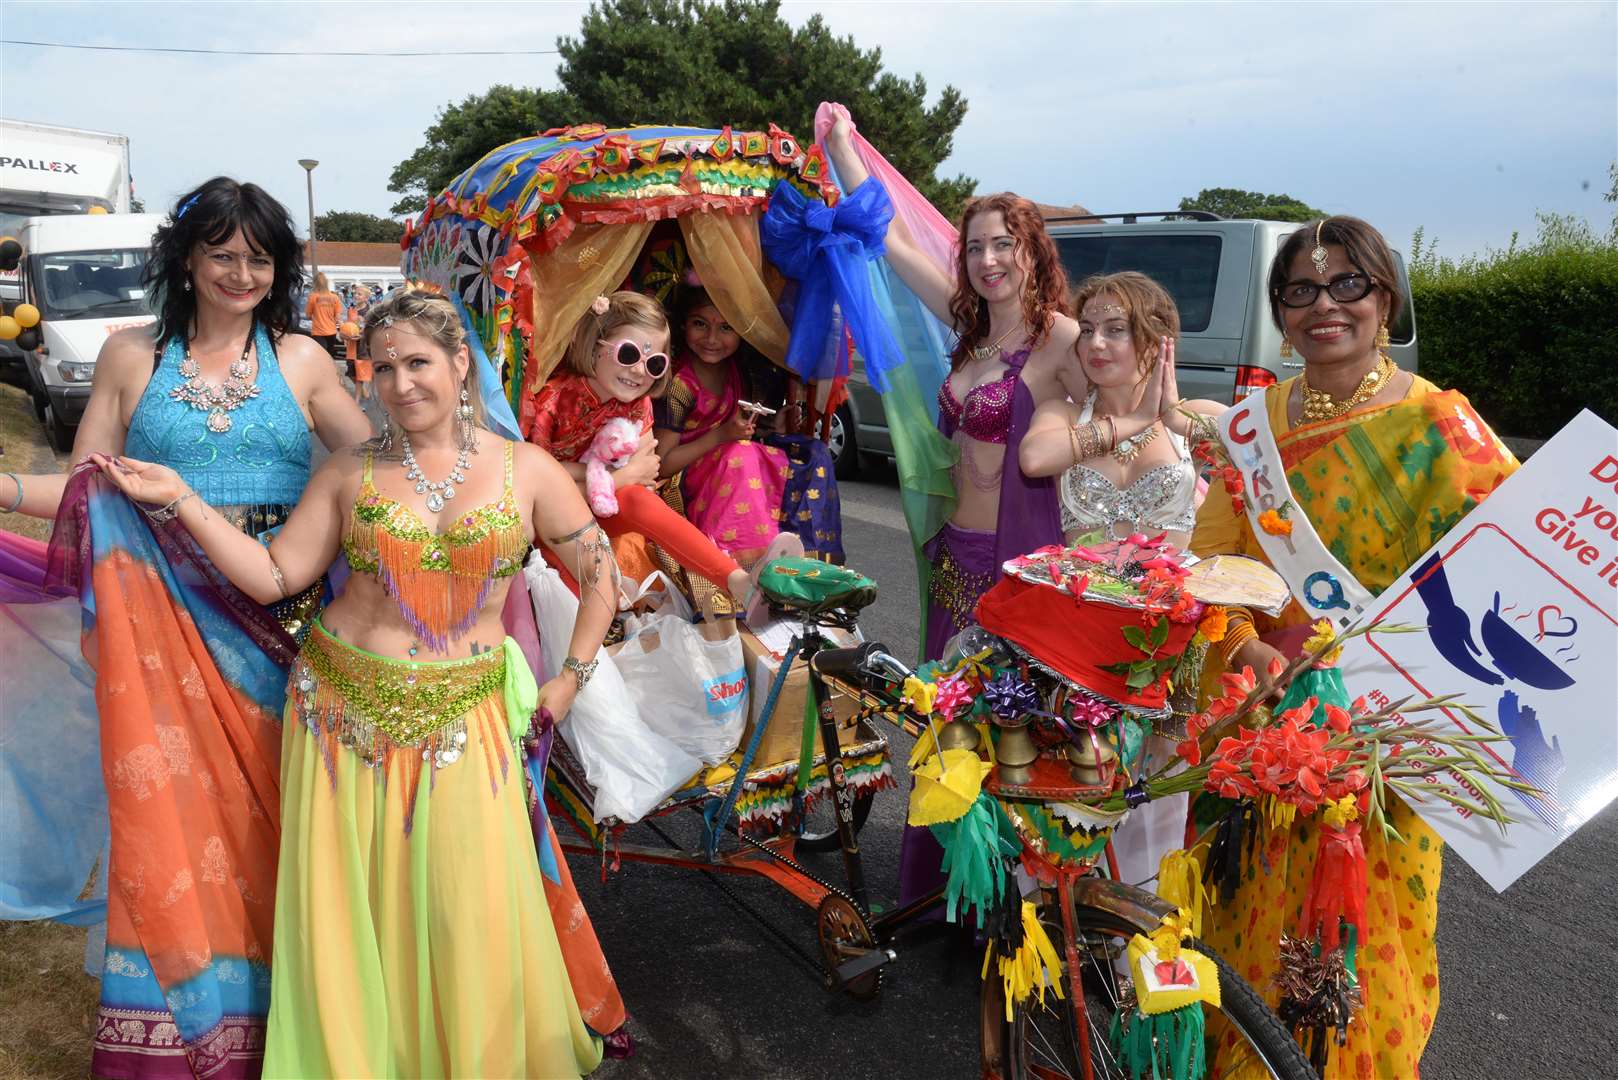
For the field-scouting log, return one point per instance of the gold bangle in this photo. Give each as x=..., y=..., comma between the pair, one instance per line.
x=1073, y=441
x=280, y=579
x=1237, y=634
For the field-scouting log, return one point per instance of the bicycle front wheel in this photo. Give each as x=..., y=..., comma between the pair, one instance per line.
x=1042, y=1041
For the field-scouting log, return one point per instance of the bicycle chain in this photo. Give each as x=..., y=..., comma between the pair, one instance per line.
x=865, y=916
x=814, y=963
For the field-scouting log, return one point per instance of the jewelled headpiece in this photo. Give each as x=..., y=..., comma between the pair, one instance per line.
x=1318, y=255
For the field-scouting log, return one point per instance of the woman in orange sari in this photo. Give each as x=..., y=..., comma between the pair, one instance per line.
x=1382, y=463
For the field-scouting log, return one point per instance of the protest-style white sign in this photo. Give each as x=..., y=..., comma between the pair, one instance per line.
x=1520, y=606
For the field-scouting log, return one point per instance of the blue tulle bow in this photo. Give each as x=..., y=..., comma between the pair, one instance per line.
x=826, y=249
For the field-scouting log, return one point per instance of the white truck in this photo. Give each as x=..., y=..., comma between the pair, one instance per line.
x=65, y=195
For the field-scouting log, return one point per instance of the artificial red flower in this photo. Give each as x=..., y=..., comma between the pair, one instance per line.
x=1187, y=609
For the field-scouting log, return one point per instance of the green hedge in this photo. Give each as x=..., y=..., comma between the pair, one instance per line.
x=1531, y=337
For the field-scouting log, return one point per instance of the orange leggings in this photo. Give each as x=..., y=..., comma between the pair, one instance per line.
x=641, y=510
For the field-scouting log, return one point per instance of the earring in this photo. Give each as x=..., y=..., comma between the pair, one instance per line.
x=1382, y=339
x=187, y=285
x=1286, y=348
x=469, y=439
x=385, y=445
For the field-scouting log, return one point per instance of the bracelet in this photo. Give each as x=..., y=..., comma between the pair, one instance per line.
x=1088, y=440
x=1238, y=632
x=280, y=578
x=15, y=479
x=165, y=514
x=1112, y=435
x=582, y=669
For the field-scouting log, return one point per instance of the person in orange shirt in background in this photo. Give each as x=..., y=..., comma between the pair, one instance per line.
x=359, y=357
x=324, y=309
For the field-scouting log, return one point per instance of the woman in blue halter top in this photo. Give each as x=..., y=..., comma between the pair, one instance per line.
x=225, y=393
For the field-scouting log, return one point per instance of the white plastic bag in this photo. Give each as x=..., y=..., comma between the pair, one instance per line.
x=631, y=767
x=690, y=689
x=655, y=596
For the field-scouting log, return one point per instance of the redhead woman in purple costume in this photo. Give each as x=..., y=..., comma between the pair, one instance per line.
x=1015, y=351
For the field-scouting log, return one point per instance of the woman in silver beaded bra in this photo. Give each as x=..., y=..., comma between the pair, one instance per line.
x=1125, y=469
x=1121, y=452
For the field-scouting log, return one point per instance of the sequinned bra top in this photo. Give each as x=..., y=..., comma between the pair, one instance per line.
x=1161, y=498
x=985, y=415
x=439, y=580
x=262, y=459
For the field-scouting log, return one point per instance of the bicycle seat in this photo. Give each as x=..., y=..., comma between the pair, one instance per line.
x=811, y=587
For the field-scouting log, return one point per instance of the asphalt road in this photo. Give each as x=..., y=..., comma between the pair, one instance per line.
x=1527, y=979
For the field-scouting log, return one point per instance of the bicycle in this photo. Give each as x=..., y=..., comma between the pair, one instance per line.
x=1092, y=917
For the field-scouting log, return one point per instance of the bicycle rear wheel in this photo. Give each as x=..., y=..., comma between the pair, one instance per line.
x=1040, y=1041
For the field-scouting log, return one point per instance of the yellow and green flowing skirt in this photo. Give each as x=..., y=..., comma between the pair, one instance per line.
x=413, y=934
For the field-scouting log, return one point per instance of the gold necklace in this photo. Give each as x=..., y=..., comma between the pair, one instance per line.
x=991, y=351
x=1319, y=405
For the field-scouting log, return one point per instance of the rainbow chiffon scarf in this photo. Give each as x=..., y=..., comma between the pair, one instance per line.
x=189, y=682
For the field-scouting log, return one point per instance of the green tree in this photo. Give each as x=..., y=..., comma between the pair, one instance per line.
x=354, y=226
x=737, y=62
x=1235, y=203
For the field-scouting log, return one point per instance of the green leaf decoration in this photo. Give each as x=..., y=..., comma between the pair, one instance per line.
x=1160, y=633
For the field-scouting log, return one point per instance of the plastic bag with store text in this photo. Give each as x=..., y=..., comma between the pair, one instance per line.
x=631, y=766
x=690, y=682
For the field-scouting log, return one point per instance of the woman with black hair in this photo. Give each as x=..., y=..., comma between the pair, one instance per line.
x=220, y=388
x=188, y=672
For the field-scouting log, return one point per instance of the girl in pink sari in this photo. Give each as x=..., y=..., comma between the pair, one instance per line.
x=732, y=485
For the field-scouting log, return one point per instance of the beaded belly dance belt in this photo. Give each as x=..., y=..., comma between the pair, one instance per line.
x=376, y=706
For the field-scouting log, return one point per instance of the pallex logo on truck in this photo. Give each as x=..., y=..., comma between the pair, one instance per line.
x=39, y=166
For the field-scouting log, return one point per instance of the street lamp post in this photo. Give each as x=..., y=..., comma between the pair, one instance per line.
x=309, y=174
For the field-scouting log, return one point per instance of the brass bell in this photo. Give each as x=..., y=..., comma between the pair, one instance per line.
x=1090, y=757
x=959, y=735
x=1015, y=751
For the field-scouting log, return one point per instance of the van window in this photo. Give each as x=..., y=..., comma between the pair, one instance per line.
x=1403, y=329
x=1187, y=266
x=89, y=284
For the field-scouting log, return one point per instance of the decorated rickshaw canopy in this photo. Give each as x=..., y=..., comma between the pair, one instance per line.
x=537, y=228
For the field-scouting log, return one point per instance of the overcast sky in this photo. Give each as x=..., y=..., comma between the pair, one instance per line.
x=1464, y=118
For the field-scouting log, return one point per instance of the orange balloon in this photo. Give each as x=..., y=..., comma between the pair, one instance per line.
x=26, y=315
x=9, y=328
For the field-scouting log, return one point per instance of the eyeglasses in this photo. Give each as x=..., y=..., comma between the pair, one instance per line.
x=1344, y=288
x=629, y=354
x=253, y=263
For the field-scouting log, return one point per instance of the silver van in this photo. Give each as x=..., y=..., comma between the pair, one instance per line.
x=1215, y=269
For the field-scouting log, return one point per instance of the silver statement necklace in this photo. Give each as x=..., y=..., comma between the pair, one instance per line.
x=221, y=399
x=440, y=491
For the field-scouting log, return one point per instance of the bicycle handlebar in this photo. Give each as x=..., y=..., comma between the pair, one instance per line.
x=863, y=664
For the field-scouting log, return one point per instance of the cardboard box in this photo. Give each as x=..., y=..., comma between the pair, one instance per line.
x=784, y=739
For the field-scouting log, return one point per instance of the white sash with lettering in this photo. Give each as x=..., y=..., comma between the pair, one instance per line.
x=1321, y=584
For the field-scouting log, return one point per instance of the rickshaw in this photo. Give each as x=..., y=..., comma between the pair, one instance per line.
x=525, y=239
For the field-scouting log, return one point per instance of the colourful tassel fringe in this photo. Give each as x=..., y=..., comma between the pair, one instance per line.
x=1170, y=1044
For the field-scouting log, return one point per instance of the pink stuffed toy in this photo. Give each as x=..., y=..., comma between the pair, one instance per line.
x=612, y=448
